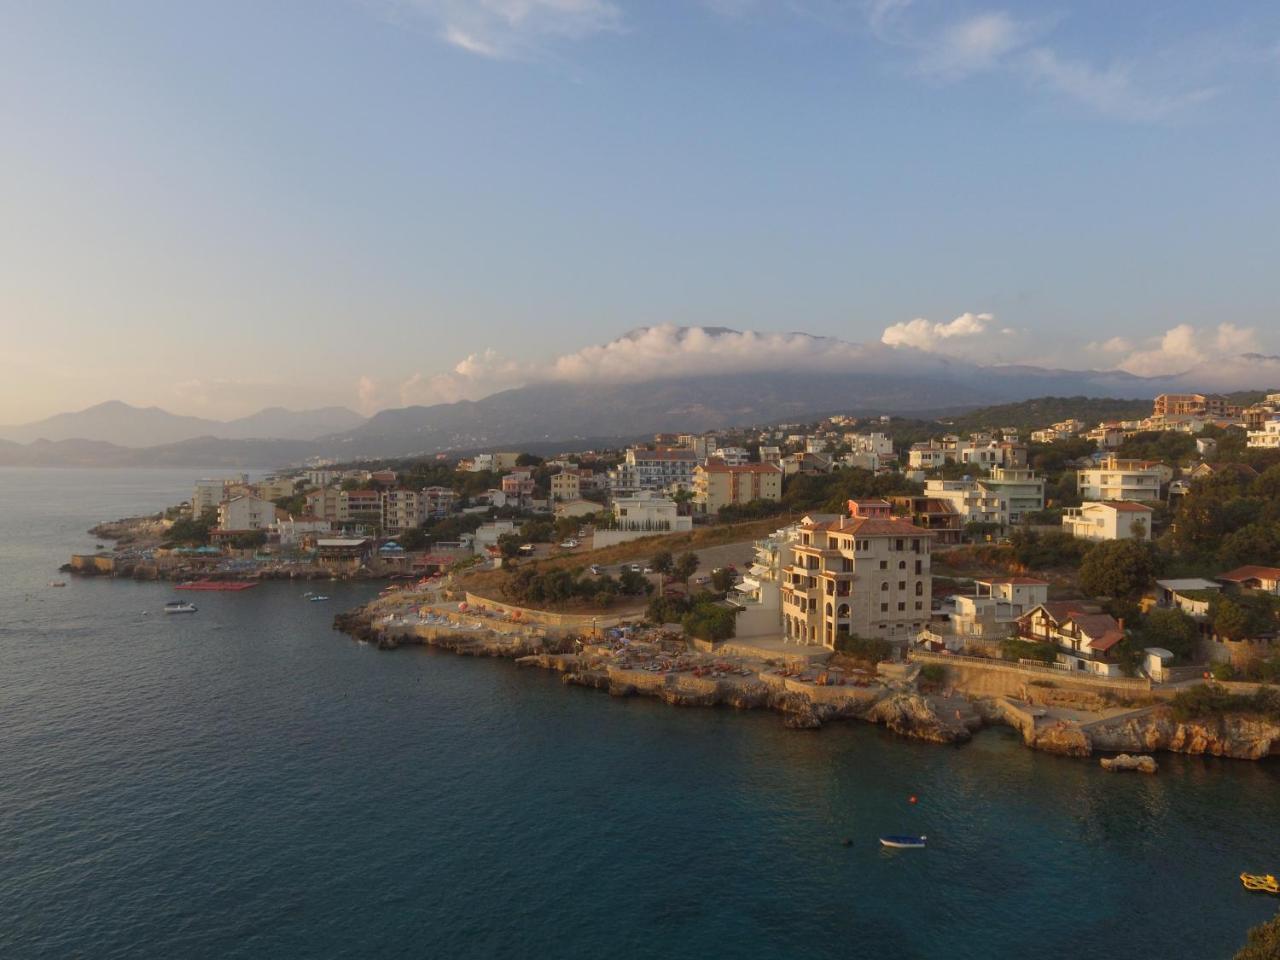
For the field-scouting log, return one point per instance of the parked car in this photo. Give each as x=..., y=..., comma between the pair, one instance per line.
x=636, y=568
x=595, y=570
x=648, y=569
x=569, y=544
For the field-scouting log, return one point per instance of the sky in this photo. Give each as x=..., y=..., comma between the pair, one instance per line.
x=219, y=207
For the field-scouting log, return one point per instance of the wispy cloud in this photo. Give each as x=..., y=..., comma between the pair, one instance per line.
x=997, y=41
x=512, y=29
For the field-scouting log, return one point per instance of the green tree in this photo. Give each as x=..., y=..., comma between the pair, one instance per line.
x=1117, y=568
x=632, y=583
x=710, y=621
x=528, y=460
x=509, y=545
x=686, y=566
x=722, y=580
x=1242, y=616
x=1173, y=630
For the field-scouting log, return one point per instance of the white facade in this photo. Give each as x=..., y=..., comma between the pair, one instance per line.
x=1116, y=479
x=1268, y=437
x=642, y=515
x=1004, y=498
x=246, y=513
x=732, y=456
x=293, y=529
x=1108, y=520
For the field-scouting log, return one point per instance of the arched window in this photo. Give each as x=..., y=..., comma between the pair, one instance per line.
x=885, y=585
x=828, y=609
x=919, y=588
x=902, y=564
x=843, y=612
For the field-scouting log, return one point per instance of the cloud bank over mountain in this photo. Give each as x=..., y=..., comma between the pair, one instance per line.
x=1212, y=358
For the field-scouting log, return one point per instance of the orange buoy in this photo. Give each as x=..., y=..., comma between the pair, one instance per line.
x=911, y=799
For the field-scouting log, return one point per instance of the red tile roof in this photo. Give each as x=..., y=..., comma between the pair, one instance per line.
x=1127, y=506
x=1250, y=572
x=1102, y=629
x=873, y=527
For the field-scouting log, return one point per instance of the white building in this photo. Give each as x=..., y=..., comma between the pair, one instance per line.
x=641, y=515
x=1109, y=520
x=292, y=530
x=487, y=534
x=991, y=612
x=732, y=456
x=1116, y=479
x=1004, y=498
x=246, y=513
x=209, y=493
x=654, y=470
x=1268, y=437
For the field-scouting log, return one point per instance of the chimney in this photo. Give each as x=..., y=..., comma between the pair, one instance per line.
x=1121, y=622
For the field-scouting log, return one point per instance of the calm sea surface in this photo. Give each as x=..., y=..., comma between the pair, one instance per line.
x=245, y=782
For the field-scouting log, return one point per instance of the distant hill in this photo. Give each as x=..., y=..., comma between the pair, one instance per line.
x=712, y=378
x=121, y=424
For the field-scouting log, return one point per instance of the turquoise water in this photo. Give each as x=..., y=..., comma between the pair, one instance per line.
x=246, y=783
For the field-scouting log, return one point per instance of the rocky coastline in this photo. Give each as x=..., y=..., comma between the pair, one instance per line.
x=899, y=706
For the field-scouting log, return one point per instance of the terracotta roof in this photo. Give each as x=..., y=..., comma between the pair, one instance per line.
x=1060, y=610
x=873, y=527
x=1250, y=572
x=1102, y=629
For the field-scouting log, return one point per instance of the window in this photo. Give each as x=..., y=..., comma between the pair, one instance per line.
x=884, y=564
x=919, y=588
x=902, y=584
x=884, y=608
x=885, y=585
x=897, y=544
x=919, y=605
x=902, y=564
x=919, y=567
x=902, y=607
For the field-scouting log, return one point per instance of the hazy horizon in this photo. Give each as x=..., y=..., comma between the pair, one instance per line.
x=369, y=203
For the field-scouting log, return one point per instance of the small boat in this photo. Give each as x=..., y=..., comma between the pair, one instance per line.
x=903, y=842
x=57, y=583
x=179, y=606
x=318, y=597
x=1263, y=883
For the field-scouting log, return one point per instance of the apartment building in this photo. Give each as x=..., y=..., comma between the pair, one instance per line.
x=866, y=575
x=1268, y=438
x=1116, y=479
x=1193, y=404
x=360, y=506
x=402, y=510
x=1004, y=498
x=717, y=484
x=656, y=470
x=246, y=512
x=566, y=485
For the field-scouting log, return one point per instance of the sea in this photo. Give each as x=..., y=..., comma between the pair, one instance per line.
x=247, y=782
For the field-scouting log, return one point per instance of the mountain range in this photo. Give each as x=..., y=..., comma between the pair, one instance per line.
x=821, y=376
x=123, y=425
